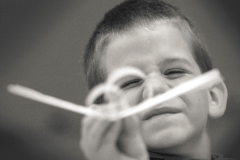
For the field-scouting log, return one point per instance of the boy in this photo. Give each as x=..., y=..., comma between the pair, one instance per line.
x=158, y=39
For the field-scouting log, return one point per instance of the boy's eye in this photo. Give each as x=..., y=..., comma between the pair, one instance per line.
x=131, y=83
x=174, y=73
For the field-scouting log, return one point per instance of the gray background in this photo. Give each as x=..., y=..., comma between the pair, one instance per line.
x=41, y=47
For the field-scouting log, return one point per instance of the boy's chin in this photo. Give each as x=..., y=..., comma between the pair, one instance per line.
x=165, y=144
x=168, y=142
x=165, y=150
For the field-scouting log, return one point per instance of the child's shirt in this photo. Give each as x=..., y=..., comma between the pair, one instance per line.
x=213, y=157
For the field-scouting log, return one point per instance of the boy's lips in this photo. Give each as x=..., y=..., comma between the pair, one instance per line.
x=160, y=111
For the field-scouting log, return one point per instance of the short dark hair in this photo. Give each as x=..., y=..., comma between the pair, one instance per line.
x=126, y=16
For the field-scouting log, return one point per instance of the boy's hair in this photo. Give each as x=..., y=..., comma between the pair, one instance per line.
x=125, y=17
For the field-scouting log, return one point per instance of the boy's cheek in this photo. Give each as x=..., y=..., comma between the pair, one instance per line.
x=196, y=104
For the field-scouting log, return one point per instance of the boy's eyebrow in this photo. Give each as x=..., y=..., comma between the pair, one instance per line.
x=175, y=59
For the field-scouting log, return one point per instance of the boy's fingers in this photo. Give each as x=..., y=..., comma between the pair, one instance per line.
x=103, y=134
x=131, y=126
x=97, y=133
x=93, y=132
x=112, y=135
x=86, y=125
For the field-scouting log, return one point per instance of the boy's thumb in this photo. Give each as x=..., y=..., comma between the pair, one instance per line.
x=131, y=126
x=131, y=141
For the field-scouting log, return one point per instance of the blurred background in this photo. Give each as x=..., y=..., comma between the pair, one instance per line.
x=41, y=47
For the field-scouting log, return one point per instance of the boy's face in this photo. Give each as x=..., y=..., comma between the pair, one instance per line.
x=166, y=54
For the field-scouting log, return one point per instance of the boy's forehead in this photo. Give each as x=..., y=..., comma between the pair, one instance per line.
x=159, y=33
x=148, y=43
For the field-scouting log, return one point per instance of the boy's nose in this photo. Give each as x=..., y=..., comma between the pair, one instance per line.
x=155, y=84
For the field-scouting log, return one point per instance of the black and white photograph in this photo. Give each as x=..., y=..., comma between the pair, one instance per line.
x=119, y=79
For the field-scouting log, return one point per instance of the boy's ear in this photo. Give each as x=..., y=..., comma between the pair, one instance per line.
x=218, y=101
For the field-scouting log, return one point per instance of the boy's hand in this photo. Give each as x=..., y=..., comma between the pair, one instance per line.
x=104, y=140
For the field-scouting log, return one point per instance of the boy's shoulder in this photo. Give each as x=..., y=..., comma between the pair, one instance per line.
x=213, y=157
x=219, y=157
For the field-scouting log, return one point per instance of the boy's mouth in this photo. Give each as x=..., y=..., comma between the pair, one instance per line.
x=160, y=111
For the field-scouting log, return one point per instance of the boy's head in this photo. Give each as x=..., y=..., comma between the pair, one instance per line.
x=157, y=39
x=127, y=16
